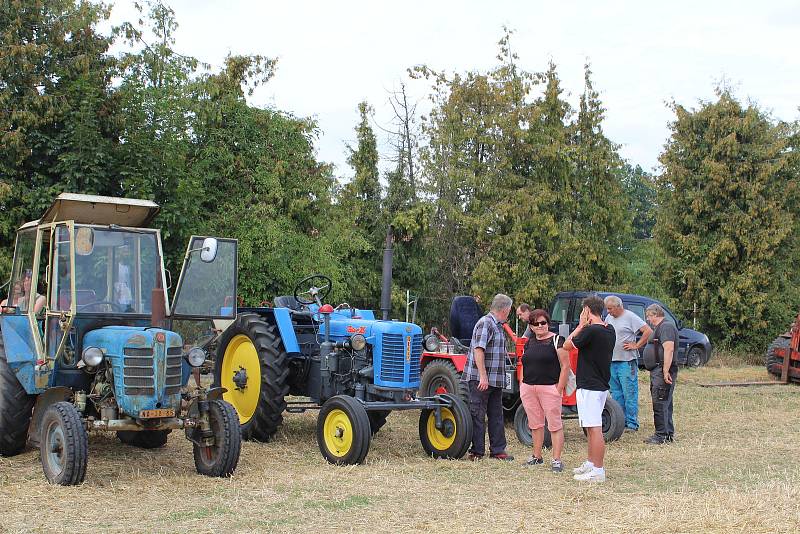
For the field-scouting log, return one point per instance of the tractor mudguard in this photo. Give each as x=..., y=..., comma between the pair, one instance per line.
x=43, y=401
x=283, y=320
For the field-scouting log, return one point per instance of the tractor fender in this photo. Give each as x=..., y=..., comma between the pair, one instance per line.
x=193, y=410
x=43, y=401
x=459, y=360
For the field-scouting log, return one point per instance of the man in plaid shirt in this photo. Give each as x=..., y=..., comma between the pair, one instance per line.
x=485, y=373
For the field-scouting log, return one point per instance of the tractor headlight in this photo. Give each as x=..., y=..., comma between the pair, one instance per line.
x=358, y=342
x=431, y=343
x=196, y=357
x=92, y=356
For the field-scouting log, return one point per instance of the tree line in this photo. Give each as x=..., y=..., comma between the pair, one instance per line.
x=503, y=186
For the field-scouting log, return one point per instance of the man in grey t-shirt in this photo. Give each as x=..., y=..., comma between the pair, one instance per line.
x=624, y=383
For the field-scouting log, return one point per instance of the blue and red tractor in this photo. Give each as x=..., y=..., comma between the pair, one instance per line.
x=87, y=343
x=443, y=360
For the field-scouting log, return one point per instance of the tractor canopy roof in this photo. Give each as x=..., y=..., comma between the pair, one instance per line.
x=93, y=209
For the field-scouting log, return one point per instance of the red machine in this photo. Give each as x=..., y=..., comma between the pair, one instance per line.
x=443, y=361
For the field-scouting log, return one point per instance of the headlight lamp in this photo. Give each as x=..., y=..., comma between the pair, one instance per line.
x=196, y=356
x=92, y=356
x=431, y=343
x=358, y=342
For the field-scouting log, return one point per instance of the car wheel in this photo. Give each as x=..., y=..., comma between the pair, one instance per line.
x=695, y=357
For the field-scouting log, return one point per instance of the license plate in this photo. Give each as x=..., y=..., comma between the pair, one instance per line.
x=154, y=414
x=509, y=380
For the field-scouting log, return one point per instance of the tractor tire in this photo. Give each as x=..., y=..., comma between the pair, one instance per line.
x=144, y=439
x=613, y=420
x=252, y=365
x=16, y=409
x=343, y=431
x=64, y=445
x=377, y=419
x=453, y=441
x=523, y=431
x=441, y=376
x=771, y=359
x=220, y=459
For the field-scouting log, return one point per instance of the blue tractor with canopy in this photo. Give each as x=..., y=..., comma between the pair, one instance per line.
x=87, y=343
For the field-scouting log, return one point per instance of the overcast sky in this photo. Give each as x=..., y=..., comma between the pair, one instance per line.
x=332, y=55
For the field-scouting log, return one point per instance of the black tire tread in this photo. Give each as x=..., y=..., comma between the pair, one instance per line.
x=144, y=439
x=446, y=369
x=231, y=442
x=16, y=409
x=77, y=444
x=274, y=386
x=772, y=361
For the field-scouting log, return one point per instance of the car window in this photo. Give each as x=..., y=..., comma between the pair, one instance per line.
x=638, y=309
x=561, y=305
x=576, y=311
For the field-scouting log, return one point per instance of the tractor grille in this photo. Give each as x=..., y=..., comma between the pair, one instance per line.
x=393, y=358
x=138, y=371
x=174, y=368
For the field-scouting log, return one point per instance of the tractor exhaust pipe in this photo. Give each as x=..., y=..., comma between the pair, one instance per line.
x=386, y=288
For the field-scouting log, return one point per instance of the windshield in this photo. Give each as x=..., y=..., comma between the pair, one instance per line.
x=115, y=271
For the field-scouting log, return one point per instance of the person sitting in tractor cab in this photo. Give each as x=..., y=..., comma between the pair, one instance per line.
x=20, y=295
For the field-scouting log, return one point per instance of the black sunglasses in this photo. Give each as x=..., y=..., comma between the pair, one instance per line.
x=539, y=323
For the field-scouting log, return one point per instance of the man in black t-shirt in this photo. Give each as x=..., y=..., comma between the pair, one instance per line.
x=594, y=340
x=662, y=379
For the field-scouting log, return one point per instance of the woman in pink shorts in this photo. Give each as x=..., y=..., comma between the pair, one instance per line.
x=545, y=367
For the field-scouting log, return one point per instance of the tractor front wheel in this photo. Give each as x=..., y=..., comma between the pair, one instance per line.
x=221, y=458
x=454, y=438
x=441, y=376
x=253, y=367
x=523, y=431
x=343, y=431
x=16, y=408
x=144, y=439
x=64, y=445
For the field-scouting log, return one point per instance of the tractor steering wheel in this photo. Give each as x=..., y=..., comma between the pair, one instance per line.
x=317, y=292
x=114, y=307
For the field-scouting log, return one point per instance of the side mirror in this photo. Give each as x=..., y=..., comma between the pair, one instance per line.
x=209, y=250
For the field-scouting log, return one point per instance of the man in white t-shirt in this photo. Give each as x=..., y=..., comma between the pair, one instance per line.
x=624, y=383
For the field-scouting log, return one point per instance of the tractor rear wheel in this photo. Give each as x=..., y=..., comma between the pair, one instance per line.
x=523, y=431
x=144, y=439
x=613, y=420
x=441, y=376
x=455, y=436
x=771, y=359
x=252, y=365
x=64, y=446
x=221, y=458
x=343, y=431
x=16, y=408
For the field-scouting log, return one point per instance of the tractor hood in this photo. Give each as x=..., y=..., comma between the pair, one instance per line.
x=342, y=328
x=146, y=364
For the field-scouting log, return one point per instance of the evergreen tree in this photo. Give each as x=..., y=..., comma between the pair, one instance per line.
x=727, y=210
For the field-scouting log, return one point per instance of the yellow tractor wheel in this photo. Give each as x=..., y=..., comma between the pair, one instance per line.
x=343, y=431
x=252, y=366
x=452, y=439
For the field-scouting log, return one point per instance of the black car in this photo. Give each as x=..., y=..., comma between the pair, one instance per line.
x=694, y=347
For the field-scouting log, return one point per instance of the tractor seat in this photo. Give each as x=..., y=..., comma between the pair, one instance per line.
x=464, y=314
x=82, y=296
x=288, y=301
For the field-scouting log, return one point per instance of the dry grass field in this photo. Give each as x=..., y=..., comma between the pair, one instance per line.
x=734, y=467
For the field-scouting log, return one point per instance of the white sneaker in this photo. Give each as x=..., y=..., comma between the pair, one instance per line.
x=595, y=475
x=584, y=468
